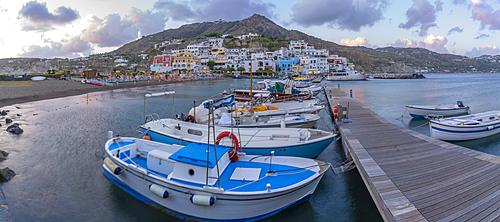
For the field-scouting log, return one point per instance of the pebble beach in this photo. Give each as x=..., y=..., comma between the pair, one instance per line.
x=14, y=92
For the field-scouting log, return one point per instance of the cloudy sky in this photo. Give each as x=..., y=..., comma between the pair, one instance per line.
x=70, y=28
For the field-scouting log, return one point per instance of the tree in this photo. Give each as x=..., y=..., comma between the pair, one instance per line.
x=241, y=69
x=230, y=69
x=211, y=64
x=229, y=37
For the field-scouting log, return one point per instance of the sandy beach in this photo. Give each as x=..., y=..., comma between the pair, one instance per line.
x=14, y=92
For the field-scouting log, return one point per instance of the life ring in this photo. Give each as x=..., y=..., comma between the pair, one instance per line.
x=233, y=155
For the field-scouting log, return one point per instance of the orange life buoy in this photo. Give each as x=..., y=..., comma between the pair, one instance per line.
x=236, y=148
x=146, y=137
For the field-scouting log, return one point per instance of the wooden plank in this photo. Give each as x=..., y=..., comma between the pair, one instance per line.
x=413, y=177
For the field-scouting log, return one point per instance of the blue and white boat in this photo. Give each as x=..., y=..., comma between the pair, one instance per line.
x=466, y=127
x=192, y=184
x=437, y=110
x=308, y=143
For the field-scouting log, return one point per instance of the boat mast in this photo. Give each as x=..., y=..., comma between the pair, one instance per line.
x=215, y=148
x=251, y=82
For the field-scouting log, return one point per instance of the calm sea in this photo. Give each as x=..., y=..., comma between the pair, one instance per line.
x=58, y=158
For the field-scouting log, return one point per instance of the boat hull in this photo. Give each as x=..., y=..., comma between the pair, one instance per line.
x=417, y=112
x=345, y=79
x=460, y=133
x=293, y=124
x=227, y=207
x=308, y=150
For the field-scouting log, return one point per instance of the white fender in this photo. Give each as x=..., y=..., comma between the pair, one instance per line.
x=202, y=200
x=158, y=190
x=112, y=166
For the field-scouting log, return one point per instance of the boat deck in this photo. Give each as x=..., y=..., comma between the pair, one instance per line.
x=285, y=175
x=413, y=177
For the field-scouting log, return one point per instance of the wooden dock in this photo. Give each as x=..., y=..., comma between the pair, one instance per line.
x=413, y=177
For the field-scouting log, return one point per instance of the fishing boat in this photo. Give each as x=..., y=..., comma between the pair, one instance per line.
x=201, y=182
x=318, y=79
x=249, y=120
x=247, y=95
x=226, y=105
x=437, y=110
x=313, y=89
x=308, y=143
x=466, y=127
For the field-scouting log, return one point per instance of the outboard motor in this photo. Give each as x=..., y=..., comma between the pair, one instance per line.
x=460, y=104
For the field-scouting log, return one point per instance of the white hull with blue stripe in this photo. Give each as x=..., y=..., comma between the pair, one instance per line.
x=173, y=178
x=466, y=127
x=436, y=110
x=308, y=143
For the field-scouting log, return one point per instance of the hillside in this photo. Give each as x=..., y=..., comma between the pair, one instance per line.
x=389, y=59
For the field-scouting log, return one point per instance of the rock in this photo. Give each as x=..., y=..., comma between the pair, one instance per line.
x=8, y=120
x=6, y=174
x=2, y=158
x=4, y=153
x=3, y=113
x=14, y=128
x=19, y=114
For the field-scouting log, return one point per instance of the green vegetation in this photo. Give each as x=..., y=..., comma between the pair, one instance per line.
x=265, y=71
x=241, y=69
x=213, y=34
x=229, y=36
x=211, y=64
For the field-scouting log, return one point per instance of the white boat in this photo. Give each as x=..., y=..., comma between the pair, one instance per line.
x=299, y=142
x=347, y=75
x=466, y=127
x=38, y=78
x=437, y=110
x=256, y=121
x=192, y=184
x=314, y=90
x=200, y=113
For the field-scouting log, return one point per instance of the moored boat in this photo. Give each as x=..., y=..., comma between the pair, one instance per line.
x=246, y=95
x=201, y=183
x=437, y=110
x=256, y=121
x=347, y=75
x=466, y=127
x=38, y=78
x=200, y=113
x=299, y=142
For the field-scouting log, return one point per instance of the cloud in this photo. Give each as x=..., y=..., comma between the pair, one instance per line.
x=3, y=10
x=343, y=14
x=455, y=30
x=483, y=50
x=359, y=41
x=458, y=2
x=485, y=14
x=115, y=31
x=434, y=43
x=404, y=42
x=482, y=36
x=66, y=48
x=210, y=10
x=36, y=16
x=422, y=14
x=148, y=22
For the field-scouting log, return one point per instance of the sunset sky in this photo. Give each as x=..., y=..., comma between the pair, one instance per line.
x=69, y=28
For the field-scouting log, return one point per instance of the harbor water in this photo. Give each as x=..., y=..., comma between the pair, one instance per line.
x=58, y=158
